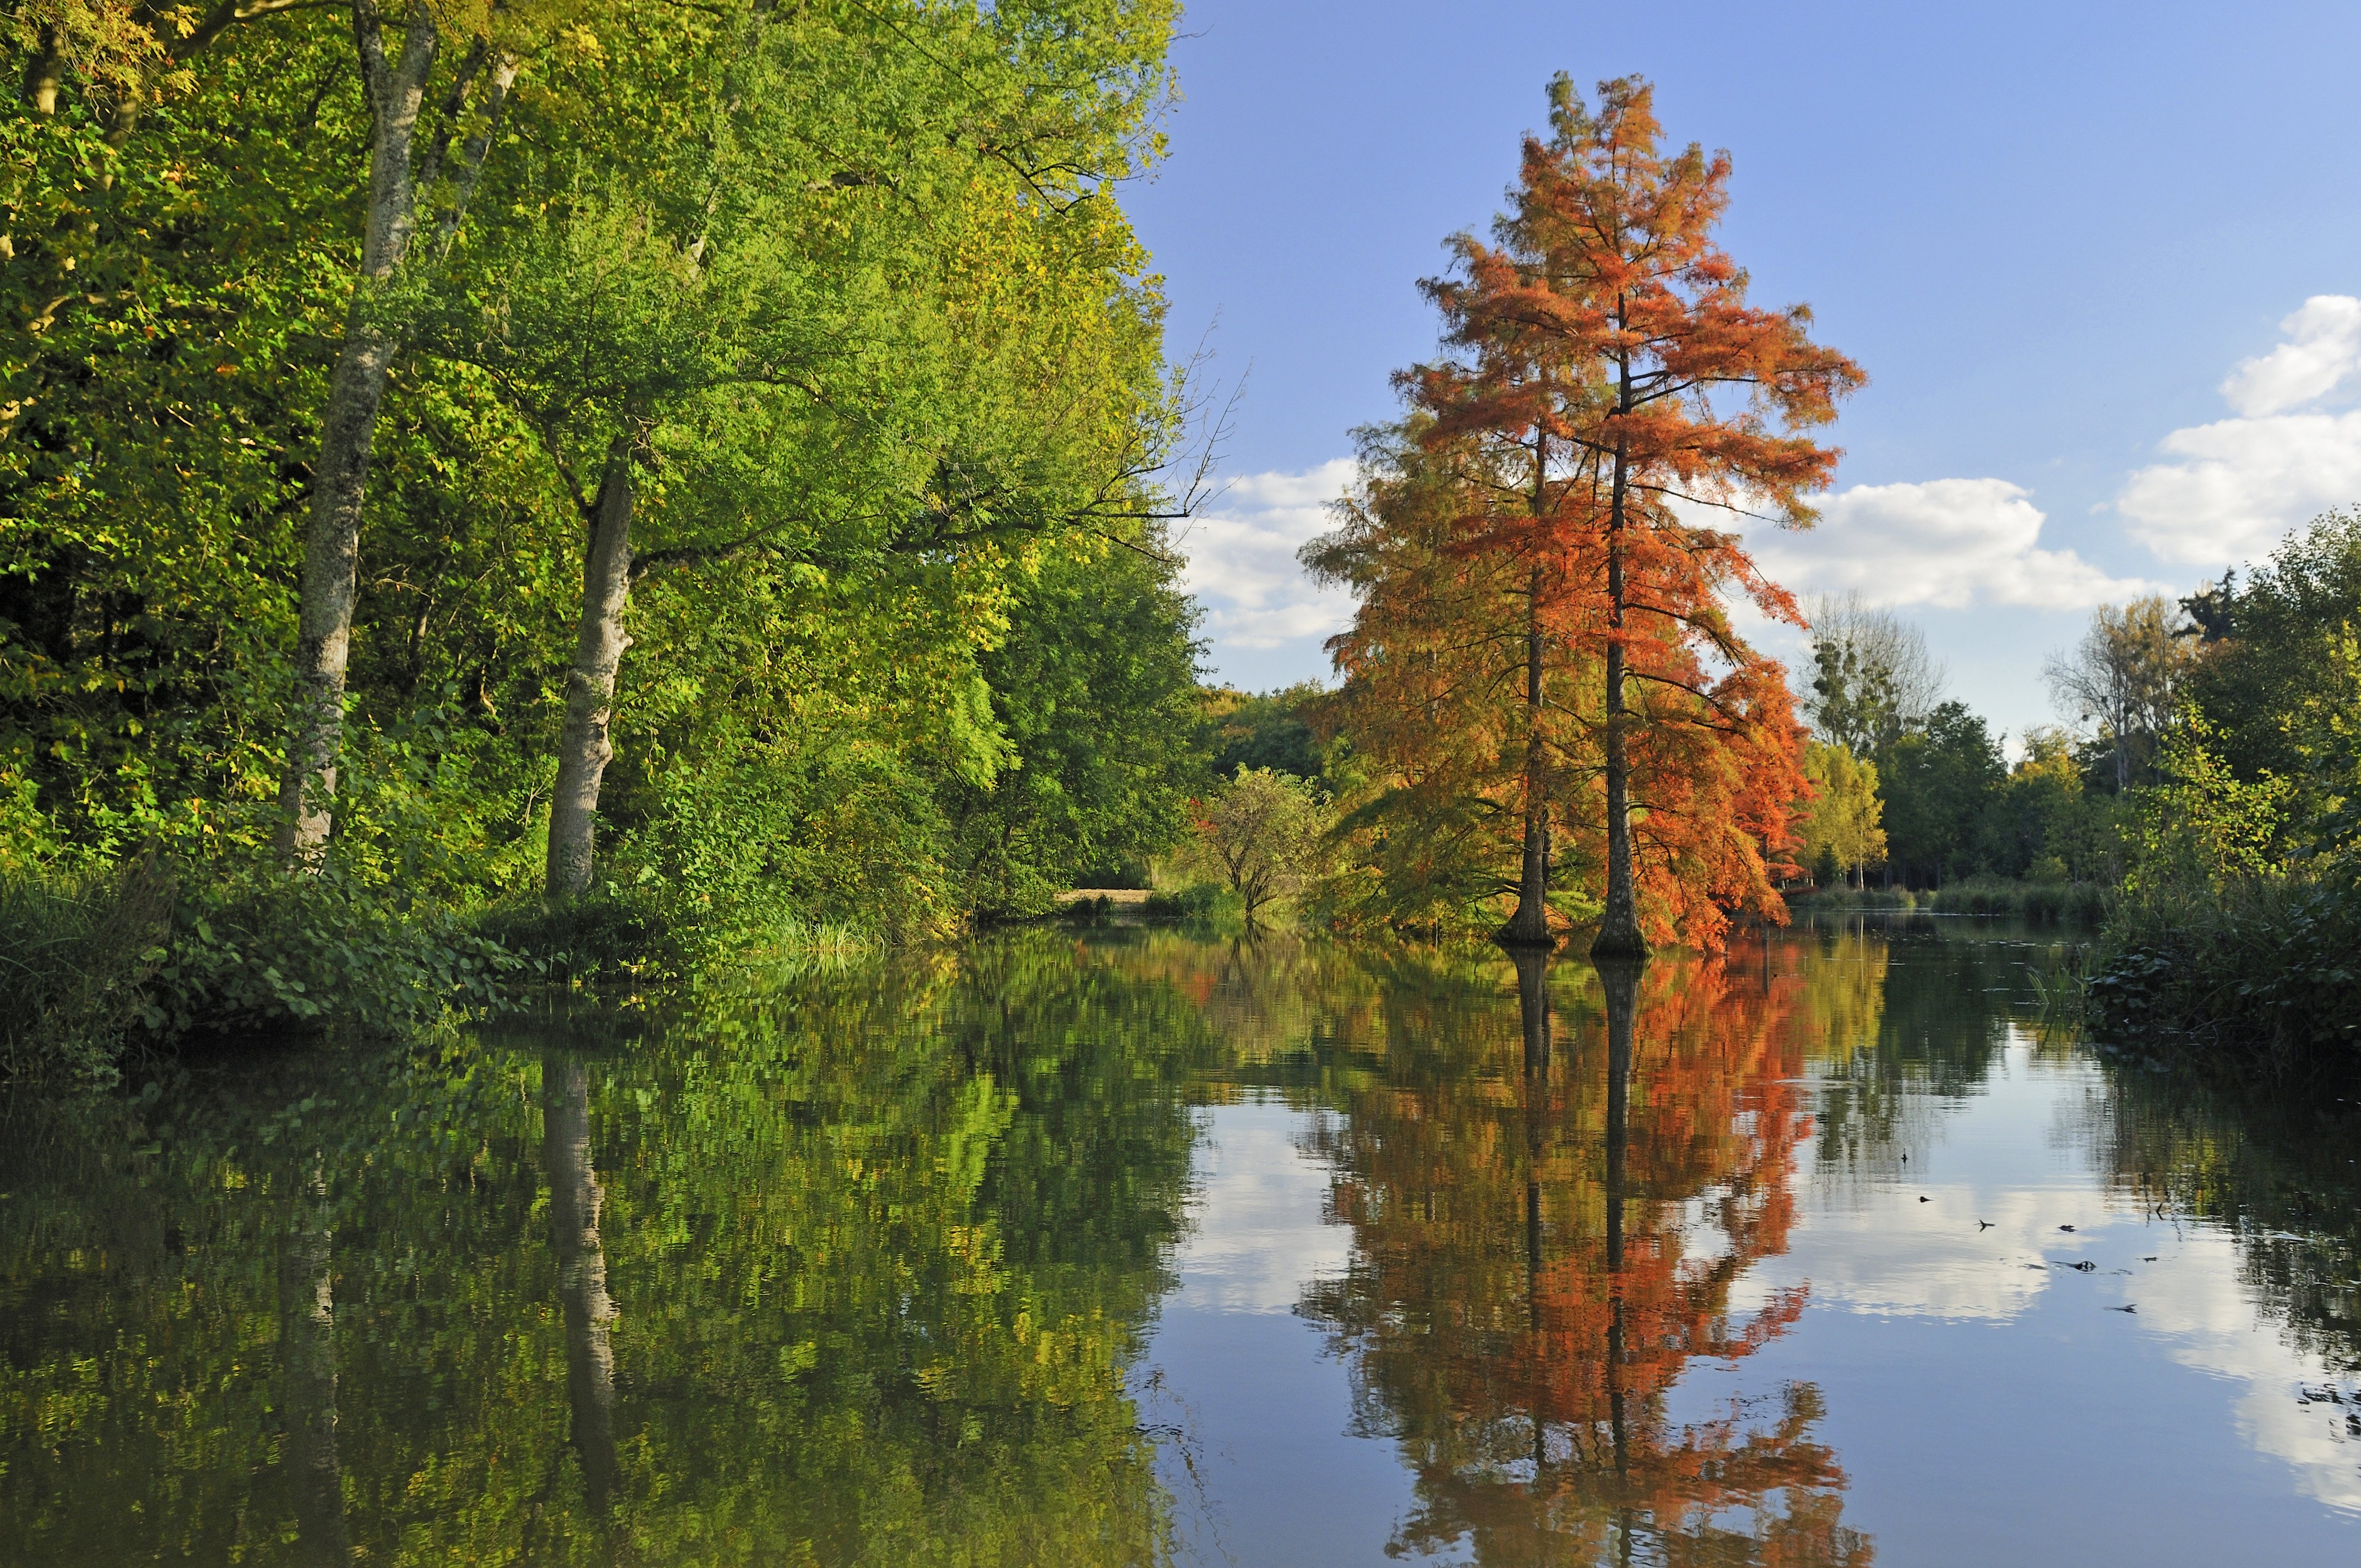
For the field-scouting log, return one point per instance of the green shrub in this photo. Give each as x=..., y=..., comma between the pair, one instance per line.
x=1198, y=901
x=2044, y=903
x=1843, y=897
x=253, y=948
x=76, y=954
x=2265, y=969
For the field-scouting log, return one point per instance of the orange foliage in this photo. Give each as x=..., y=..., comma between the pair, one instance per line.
x=1607, y=381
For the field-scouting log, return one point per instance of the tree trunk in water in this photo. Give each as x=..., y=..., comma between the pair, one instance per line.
x=574, y=1204
x=1529, y=926
x=307, y=1371
x=347, y=427
x=583, y=749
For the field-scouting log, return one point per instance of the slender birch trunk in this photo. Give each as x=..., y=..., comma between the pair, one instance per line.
x=1619, y=925
x=583, y=748
x=45, y=71
x=347, y=427
x=575, y=1199
x=395, y=89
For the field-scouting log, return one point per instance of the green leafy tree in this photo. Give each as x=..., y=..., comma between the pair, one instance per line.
x=1261, y=834
x=1096, y=689
x=2125, y=677
x=1938, y=784
x=1844, y=824
x=2278, y=681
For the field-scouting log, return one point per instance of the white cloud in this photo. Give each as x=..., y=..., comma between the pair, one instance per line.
x=1946, y=544
x=2231, y=490
x=1242, y=564
x=2241, y=483
x=2323, y=347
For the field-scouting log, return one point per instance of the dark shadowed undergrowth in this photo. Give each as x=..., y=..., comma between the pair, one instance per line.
x=2258, y=973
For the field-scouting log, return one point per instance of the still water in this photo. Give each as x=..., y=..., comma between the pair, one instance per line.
x=1135, y=1247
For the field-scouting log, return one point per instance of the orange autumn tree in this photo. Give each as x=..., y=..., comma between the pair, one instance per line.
x=1602, y=354
x=1444, y=688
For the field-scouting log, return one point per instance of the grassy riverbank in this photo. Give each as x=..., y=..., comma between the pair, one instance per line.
x=2040, y=902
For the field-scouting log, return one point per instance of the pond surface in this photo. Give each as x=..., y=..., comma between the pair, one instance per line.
x=1135, y=1247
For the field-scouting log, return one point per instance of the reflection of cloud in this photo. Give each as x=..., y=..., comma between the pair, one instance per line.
x=1242, y=563
x=2208, y=1321
x=2231, y=490
x=1945, y=542
x=1257, y=1235
x=1894, y=1255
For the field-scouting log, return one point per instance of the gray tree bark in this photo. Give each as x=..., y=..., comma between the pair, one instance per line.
x=583, y=747
x=44, y=70
x=573, y=1203
x=347, y=428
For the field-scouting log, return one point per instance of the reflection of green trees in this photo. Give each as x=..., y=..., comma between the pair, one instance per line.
x=2276, y=1174
x=1549, y=1222
x=851, y=1277
x=1906, y=1017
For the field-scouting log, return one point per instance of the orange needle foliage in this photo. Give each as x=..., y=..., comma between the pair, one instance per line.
x=1543, y=1244
x=1606, y=375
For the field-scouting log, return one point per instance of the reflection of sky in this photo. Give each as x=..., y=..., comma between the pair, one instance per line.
x=1258, y=1232
x=1987, y=1402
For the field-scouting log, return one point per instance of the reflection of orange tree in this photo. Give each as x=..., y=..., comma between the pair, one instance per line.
x=1545, y=1238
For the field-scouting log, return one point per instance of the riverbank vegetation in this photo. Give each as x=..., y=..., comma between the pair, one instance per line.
x=498, y=497
x=641, y=485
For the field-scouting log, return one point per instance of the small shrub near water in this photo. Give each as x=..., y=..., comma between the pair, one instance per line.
x=2257, y=970
x=1199, y=901
x=1840, y=897
x=2042, y=903
x=76, y=953
x=99, y=963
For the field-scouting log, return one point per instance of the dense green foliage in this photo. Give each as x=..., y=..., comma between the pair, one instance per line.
x=2238, y=926
x=841, y=290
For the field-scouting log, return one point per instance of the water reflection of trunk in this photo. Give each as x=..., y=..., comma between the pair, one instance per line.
x=307, y=1370
x=574, y=1199
x=1619, y=979
x=1533, y=1011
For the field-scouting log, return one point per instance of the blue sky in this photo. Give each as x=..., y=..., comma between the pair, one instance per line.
x=2101, y=262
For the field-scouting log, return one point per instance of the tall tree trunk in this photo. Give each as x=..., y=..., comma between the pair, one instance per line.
x=1619, y=925
x=307, y=1371
x=574, y=1204
x=583, y=749
x=45, y=71
x=1529, y=926
x=347, y=427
